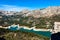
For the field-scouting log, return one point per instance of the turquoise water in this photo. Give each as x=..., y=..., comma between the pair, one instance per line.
x=44, y=33
x=13, y=28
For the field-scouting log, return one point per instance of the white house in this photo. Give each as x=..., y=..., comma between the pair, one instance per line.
x=56, y=27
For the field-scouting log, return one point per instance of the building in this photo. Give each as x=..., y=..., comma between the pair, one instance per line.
x=56, y=27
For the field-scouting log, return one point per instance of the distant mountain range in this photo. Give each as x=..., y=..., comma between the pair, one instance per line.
x=45, y=12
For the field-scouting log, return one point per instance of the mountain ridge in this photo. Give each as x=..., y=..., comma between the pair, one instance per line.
x=44, y=12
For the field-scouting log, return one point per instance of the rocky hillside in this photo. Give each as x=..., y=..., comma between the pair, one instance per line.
x=45, y=12
x=20, y=35
x=42, y=18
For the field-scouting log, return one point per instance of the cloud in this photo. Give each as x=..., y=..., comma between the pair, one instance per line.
x=13, y=8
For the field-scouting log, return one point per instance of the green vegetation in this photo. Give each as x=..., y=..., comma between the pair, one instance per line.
x=20, y=35
x=42, y=22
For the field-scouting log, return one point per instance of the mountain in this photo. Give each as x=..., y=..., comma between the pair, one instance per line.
x=39, y=18
x=2, y=12
x=46, y=12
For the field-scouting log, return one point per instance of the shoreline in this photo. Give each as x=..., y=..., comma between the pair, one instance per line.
x=24, y=27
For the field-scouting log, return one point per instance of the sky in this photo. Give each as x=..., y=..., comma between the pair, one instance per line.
x=18, y=5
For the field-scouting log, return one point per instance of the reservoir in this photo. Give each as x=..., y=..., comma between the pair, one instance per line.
x=43, y=33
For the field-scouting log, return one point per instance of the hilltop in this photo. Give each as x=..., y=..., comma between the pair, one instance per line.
x=41, y=18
